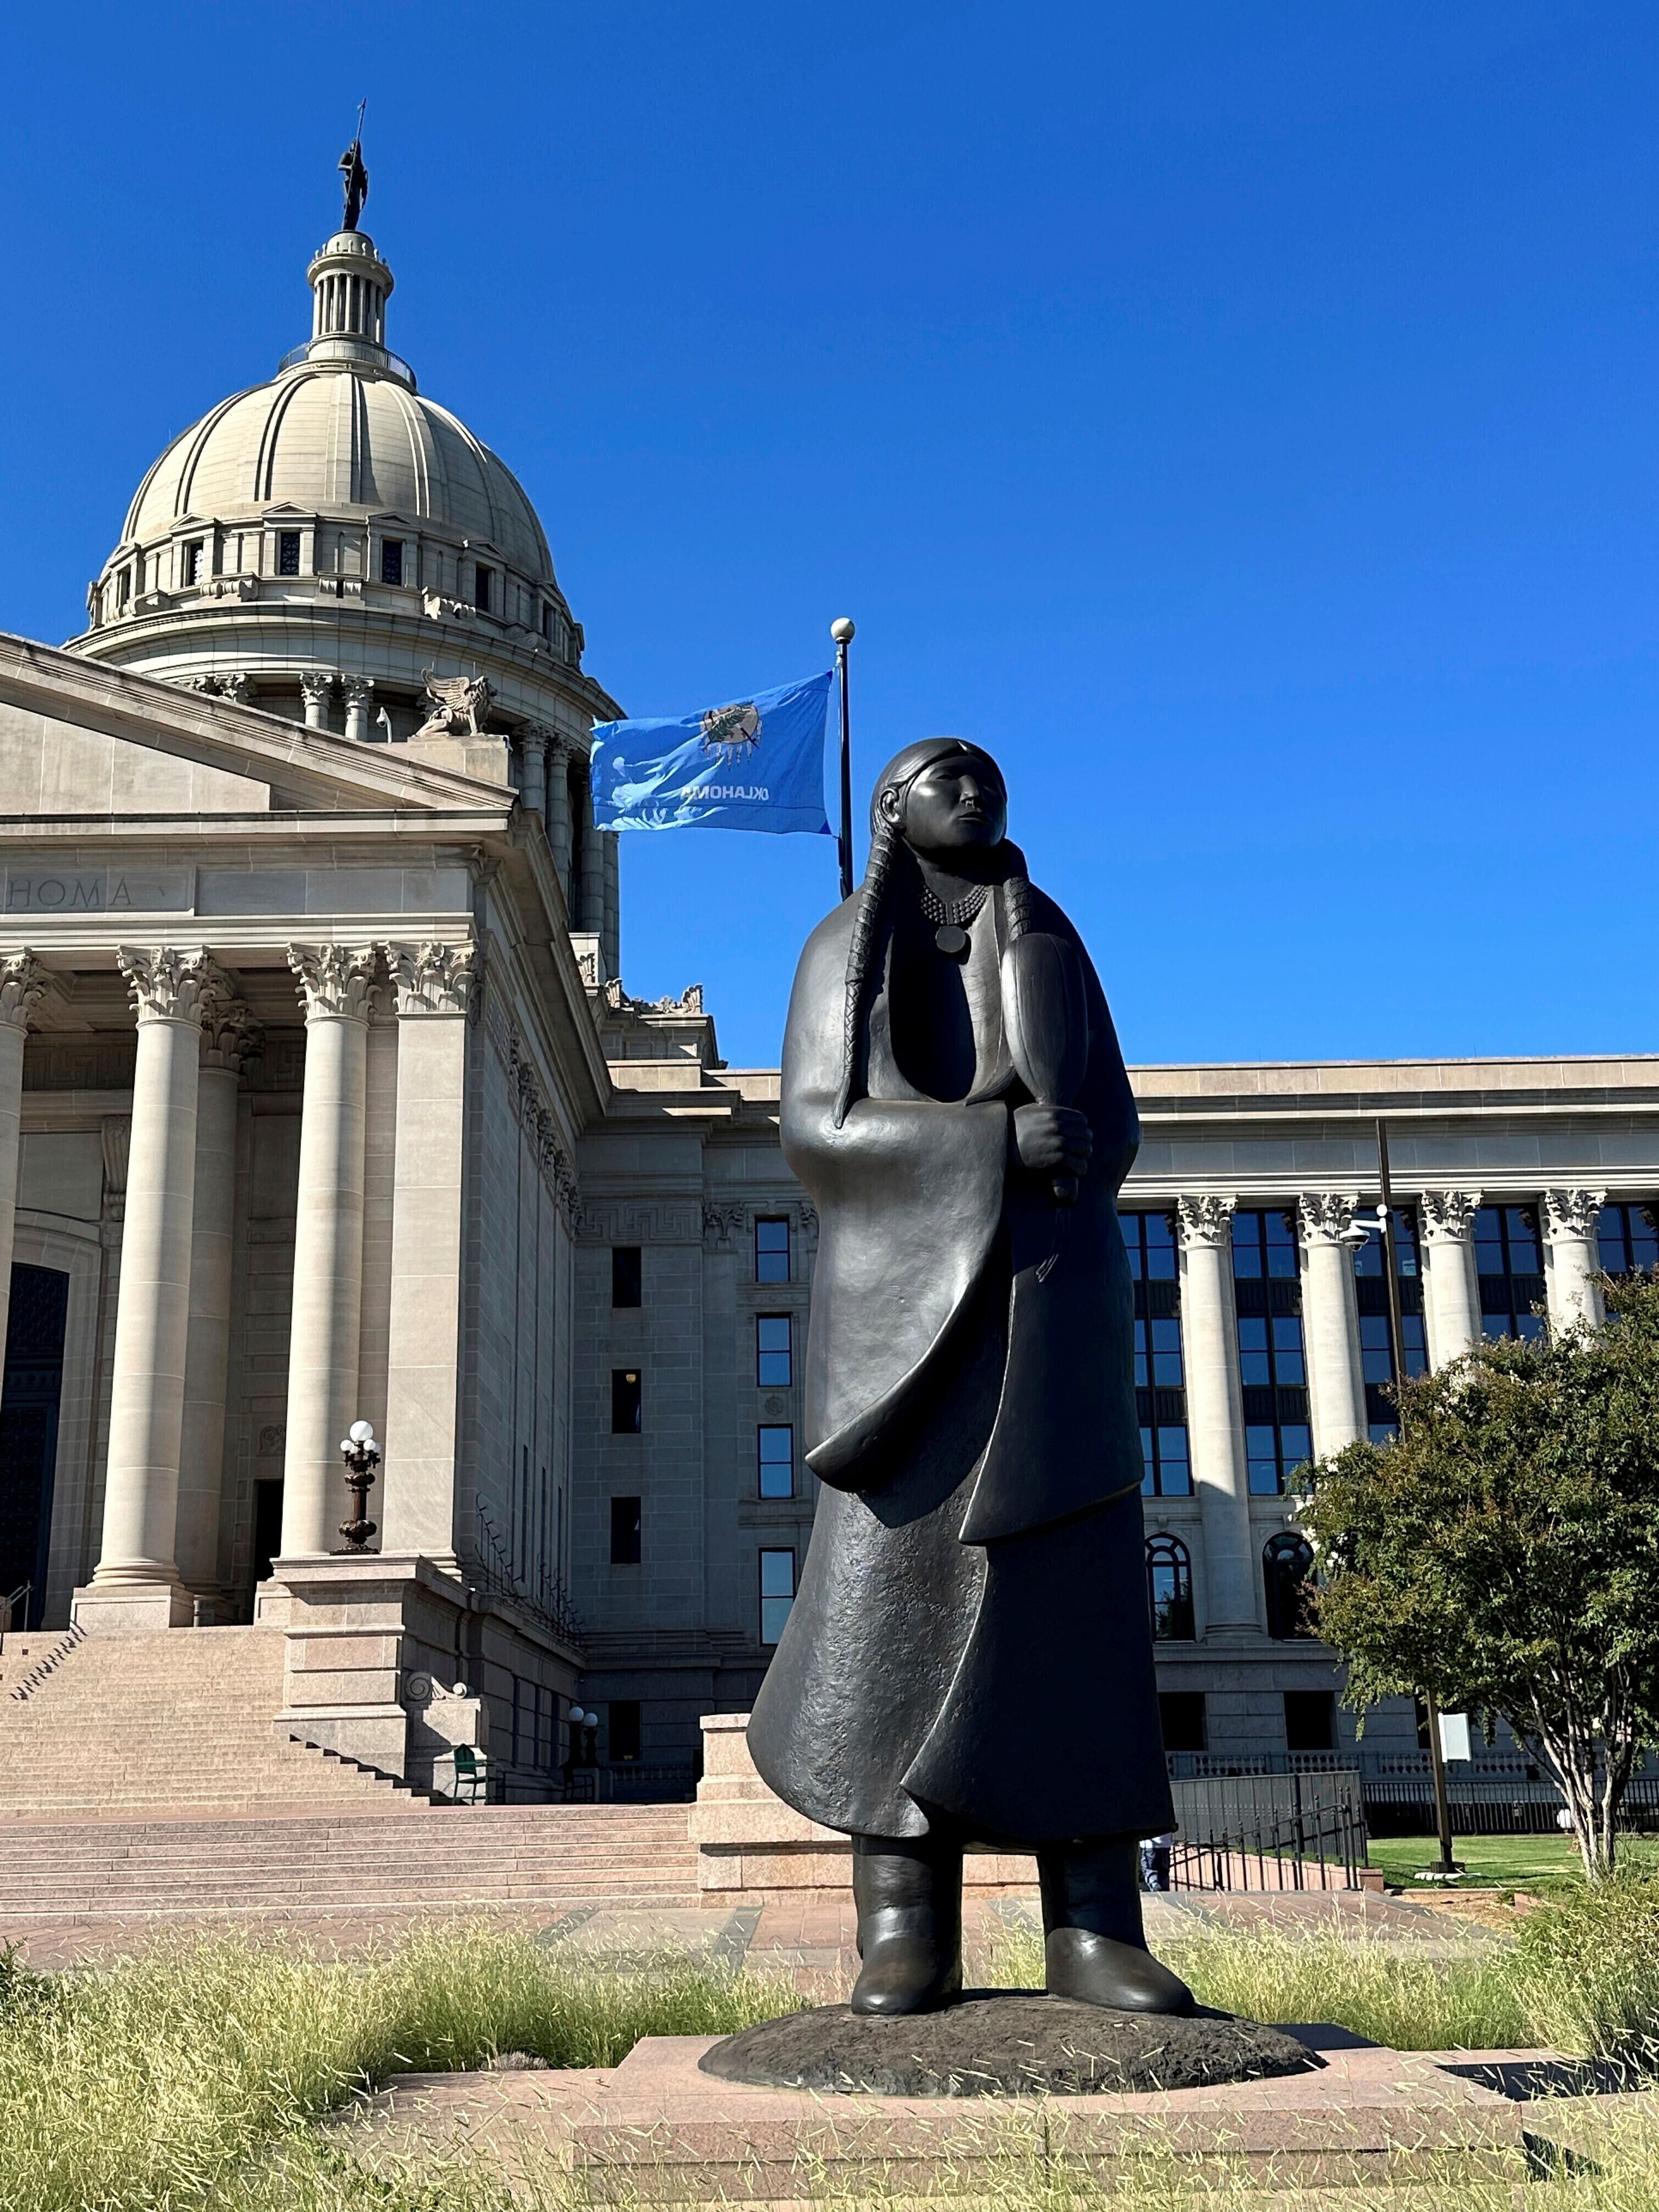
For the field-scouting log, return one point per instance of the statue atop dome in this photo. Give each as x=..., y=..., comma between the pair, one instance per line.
x=355, y=175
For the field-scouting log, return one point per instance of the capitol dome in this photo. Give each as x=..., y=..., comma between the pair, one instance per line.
x=315, y=545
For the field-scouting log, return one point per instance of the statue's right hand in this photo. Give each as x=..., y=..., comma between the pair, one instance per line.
x=1053, y=1140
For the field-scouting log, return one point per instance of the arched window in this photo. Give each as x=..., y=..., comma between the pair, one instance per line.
x=1169, y=1589
x=1287, y=1571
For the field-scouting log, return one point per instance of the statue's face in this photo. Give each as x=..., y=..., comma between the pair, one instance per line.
x=955, y=804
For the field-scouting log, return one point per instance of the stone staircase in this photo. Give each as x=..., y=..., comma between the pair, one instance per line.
x=175, y=1723
x=360, y=1868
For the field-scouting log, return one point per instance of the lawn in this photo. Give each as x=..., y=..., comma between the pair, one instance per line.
x=1505, y=1862
x=191, y=2078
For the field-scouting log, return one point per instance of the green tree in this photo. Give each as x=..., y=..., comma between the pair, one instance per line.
x=1503, y=1554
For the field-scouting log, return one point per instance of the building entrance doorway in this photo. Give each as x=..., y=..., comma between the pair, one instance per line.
x=28, y=1434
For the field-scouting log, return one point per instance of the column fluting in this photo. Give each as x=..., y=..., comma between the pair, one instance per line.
x=1330, y=1320
x=335, y=980
x=560, y=828
x=1215, y=1415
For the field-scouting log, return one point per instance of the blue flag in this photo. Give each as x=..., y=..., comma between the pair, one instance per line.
x=756, y=764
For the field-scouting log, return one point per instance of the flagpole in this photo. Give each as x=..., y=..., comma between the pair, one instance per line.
x=841, y=631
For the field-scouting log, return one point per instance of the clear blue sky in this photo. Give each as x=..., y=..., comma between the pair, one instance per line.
x=1241, y=418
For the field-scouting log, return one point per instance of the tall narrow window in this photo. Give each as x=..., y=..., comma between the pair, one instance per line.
x=1271, y=1363
x=1182, y=1713
x=1510, y=1262
x=483, y=587
x=1629, y=1238
x=193, y=562
x=1169, y=1589
x=1160, y=1376
x=547, y=621
x=777, y=1593
x=626, y=1410
x=1287, y=1562
x=1375, y=1339
x=774, y=1367
x=771, y=1251
x=288, y=553
x=1310, y=1720
x=625, y=1532
x=392, y=560
x=627, y=1275
x=123, y=587
x=776, y=1443
x=624, y=1715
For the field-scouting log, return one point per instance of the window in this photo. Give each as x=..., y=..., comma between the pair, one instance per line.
x=1182, y=1712
x=1286, y=1569
x=1376, y=1340
x=123, y=587
x=547, y=621
x=627, y=1276
x=1629, y=1238
x=288, y=553
x=771, y=1251
x=1509, y=1263
x=773, y=1365
x=1271, y=1364
x=624, y=1715
x=1310, y=1720
x=193, y=562
x=777, y=1592
x=392, y=560
x=1169, y=1589
x=777, y=1462
x=624, y=1532
x=1160, y=1375
x=625, y=1410
x=483, y=584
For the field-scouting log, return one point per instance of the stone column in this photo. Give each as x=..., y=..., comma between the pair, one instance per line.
x=23, y=984
x=136, y=1583
x=1569, y=1218
x=610, y=914
x=532, y=769
x=424, y=1376
x=227, y=1037
x=560, y=828
x=359, y=698
x=1330, y=1320
x=590, y=900
x=1215, y=1416
x=379, y=1167
x=328, y=1242
x=1451, y=1285
x=315, y=685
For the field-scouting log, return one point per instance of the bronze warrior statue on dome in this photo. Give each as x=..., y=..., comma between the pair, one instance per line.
x=969, y=1658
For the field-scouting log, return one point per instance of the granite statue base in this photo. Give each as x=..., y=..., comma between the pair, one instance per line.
x=1004, y=2043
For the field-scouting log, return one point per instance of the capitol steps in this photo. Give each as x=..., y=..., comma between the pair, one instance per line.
x=467, y=1858
x=168, y=1723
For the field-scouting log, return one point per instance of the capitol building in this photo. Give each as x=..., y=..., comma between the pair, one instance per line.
x=322, y=1101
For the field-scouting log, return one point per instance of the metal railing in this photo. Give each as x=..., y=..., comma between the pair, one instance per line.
x=1305, y=1834
x=542, y=1596
x=15, y=1609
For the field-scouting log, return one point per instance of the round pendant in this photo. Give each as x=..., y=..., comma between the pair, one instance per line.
x=951, y=939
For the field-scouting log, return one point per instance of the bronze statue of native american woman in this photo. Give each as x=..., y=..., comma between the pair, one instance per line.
x=969, y=1657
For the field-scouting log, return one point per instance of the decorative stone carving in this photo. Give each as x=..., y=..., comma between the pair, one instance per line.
x=722, y=1223
x=169, y=984
x=1448, y=1215
x=334, y=980
x=1206, y=1218
x=1573, y=1213
x=459, y=705
x=230, y=1035
x=587, y=965
x=316, y=685
x=359, y=697
x=273, y=1440
x=807, y=1214
x=433, y=978
x=233, y=687
x=23, y=984
x=1324, y=1216
x=116, y=1133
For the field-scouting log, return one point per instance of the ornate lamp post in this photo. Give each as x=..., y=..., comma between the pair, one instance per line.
x=362, y=1455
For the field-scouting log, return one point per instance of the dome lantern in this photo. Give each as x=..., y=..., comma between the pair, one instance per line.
x=350, y=285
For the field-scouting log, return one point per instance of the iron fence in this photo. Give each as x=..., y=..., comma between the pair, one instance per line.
x=542, y=1596
x=1269, y=1832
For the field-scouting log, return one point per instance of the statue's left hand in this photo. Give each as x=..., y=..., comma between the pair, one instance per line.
x=1053, y=1140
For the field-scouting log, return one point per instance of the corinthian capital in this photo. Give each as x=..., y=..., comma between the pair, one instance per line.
x=432, y=979
x=23, y=982
x=1571, y=1214
x=334, y=980
x=1448, y=1215
x=170, y=983
x=317, y=685
x=229, y=1033
x=1325, y=1216
x=1207, y=1219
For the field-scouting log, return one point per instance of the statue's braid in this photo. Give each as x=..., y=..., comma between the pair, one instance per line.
x=1016, y=895
x=871, y=896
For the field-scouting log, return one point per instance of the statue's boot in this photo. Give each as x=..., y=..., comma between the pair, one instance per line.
x=908, y=1893
x=1095, y=1944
